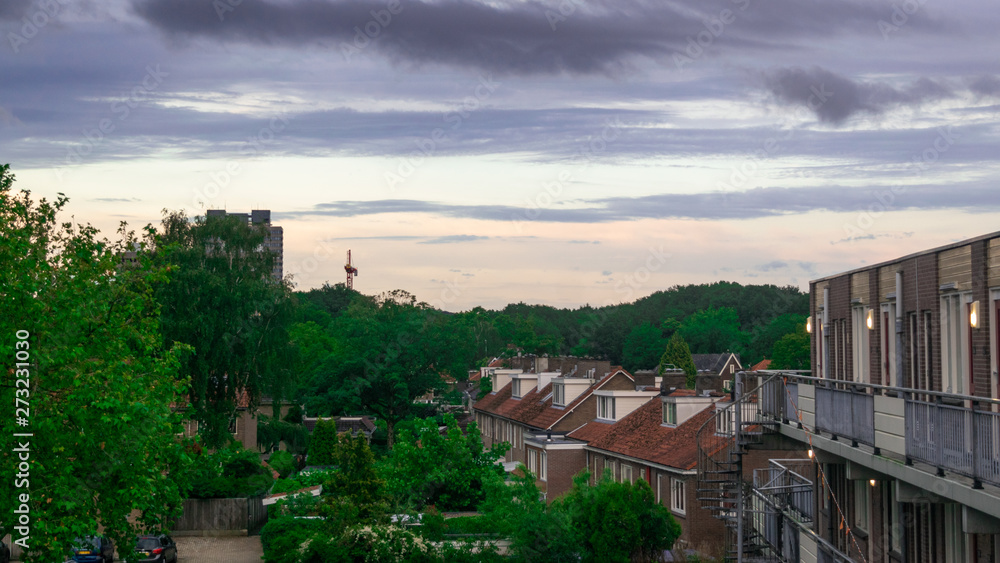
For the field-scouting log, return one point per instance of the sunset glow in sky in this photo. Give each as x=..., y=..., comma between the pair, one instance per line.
x=486, y=152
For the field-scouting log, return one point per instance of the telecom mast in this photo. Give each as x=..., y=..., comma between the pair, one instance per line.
x=351, y=271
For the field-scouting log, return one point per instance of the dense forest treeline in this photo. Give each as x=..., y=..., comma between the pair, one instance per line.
x=355, y=347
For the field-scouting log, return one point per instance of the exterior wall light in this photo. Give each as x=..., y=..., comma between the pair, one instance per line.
x=974, y=314
x=872, y=481
x=809, y=324
x=870, y=319
x=811, y=454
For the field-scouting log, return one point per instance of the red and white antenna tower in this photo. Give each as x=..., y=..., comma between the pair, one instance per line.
x=351, y=271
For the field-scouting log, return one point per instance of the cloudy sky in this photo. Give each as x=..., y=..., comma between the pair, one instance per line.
x=493, y=151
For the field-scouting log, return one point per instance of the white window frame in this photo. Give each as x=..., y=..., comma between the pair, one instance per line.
x=604, y=405
x=543, y=466
x=862, y=505
x=626, y=473
x=670, y=413
x=515, y=389
x=678, y=500
x=859, y=344
x=955, y=342
x=559, y=394
x=609, y=465
x=532, y=461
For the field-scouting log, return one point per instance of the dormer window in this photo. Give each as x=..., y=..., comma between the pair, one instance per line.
x=559, y=394
x=515, y=389
x=670, y=413
x=606, y=408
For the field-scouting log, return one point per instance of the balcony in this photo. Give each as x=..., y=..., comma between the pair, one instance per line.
x=943, y=434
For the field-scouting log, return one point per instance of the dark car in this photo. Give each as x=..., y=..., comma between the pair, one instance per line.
x=4, y=553
x=93, y=549
x=154, y=549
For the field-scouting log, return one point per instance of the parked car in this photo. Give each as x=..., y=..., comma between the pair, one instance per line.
x=154, y=549
x=4, y=553
x=93, y=549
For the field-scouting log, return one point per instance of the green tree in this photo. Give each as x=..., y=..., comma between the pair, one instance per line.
x=536, y=533
x=99, y=385
x=792, y=351
x=615, y=522
x=387, y=356
x=446, y=470
x=223, y=302
x=678, y=355
x=323, y=443
x=643, y=347
x=764, y=338
x=713, y=330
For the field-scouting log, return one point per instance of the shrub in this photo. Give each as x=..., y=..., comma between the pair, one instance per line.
x=232, y=472
x=283, y=537
x=282, y=462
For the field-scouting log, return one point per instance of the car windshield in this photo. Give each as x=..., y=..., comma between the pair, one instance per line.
x=86, y=543
x=148, y=543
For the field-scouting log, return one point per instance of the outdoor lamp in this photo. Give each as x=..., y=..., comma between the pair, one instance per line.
x=870, y=320
x=809, y=325
x=810, y=454
x=974, y=314
x=872, y=481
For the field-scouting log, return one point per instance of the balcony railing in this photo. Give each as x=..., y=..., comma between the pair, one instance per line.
x=953, y=433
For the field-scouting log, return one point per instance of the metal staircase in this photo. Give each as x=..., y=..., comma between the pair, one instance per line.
x=722, y=442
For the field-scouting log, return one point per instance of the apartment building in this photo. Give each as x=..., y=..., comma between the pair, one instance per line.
x=900, y=414
x=274, y=241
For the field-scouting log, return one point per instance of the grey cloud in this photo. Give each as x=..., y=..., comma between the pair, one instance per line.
x=985, y=85
x=606, y=273
x=526, y=37
x=14, y=9
x=750, y=204
x=835, y=98
x=451, y=239
x=585, y=242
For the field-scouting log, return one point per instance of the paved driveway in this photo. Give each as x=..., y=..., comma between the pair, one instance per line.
x=219, y=550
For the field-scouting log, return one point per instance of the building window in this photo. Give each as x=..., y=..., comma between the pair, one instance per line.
x=515, y=388
x=928, y=331
x=724, y=422
x=533, y=461
x=559, y=394
x=862, y=504
x=609, y=467
x=892, y=520
x=606, y=408
x=543, y=467
x=954, y=343
x=954, y=538
x=233, y=427
x=888, y=366
x=626, y=473
x=677, y=499
x=859, y=341
x=670, y=413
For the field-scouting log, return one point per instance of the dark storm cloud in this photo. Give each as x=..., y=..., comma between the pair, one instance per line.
x=528, y=37
x=14, y=9
x=835, y=98
x=985, y=85
x=750, y=204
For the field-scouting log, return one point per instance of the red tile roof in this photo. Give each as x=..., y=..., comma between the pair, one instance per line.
x=763, y=364
x=535, y=409
x=641, y=435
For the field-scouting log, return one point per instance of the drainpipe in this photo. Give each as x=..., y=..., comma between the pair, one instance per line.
x=899, y=328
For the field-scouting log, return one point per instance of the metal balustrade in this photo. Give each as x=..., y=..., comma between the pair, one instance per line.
x=951, y=432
